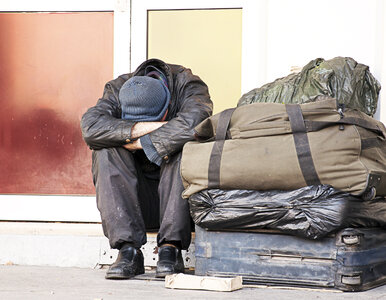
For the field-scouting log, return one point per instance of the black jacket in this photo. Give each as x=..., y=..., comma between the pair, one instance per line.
x=102, y=126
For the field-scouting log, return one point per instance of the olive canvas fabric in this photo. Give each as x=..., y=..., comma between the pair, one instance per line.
x=271, y=146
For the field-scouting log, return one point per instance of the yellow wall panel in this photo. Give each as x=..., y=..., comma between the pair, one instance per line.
x=207, y=41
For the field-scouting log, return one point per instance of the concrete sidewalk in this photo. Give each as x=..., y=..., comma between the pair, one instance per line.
x=29, y=282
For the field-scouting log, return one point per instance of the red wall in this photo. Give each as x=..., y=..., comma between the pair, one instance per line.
x=53, y=66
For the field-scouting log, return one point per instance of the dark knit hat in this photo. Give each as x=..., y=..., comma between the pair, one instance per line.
x=144, y=99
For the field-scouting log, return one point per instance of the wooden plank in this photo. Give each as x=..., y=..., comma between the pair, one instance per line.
x=192, y=282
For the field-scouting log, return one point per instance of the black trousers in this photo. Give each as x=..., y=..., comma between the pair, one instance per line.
x=134, y=195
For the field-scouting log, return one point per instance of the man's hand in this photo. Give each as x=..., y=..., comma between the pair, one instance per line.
x=140, y=129
x=136, y=145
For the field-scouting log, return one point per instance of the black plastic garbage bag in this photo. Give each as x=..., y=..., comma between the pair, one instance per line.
x=342, y=78
x=311, y=212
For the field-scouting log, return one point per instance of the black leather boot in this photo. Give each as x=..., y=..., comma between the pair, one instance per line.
x=169, y=261
x=128, y=264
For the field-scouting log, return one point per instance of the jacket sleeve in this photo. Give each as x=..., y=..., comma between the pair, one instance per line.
x=102, y=126
x=194, y=106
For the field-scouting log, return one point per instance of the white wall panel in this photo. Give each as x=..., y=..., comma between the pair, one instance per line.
x=302, y=30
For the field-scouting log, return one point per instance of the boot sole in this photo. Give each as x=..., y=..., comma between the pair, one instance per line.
x=122, y=276
x=163, y=274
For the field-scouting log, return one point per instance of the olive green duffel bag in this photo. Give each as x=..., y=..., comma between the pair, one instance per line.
x=270, y=146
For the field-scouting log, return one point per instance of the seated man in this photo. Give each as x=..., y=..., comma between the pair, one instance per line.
x=137, y=131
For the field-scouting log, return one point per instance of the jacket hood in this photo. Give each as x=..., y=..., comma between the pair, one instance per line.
x=159, y=64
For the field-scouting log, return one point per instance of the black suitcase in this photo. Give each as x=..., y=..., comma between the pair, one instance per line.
x=354, y=259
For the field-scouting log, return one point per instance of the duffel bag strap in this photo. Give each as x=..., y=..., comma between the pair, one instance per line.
x=223, y=124
x=319, y=125
x=218, y=145
x=302, y=144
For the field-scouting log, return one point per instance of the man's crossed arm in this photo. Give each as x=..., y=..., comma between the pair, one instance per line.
x=141, y=129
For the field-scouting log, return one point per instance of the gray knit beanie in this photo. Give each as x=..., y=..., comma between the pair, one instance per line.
x=144, y=99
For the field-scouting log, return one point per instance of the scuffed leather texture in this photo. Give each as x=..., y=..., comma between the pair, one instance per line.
x=169, y=261
x=102, y=126
x=130, y=262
